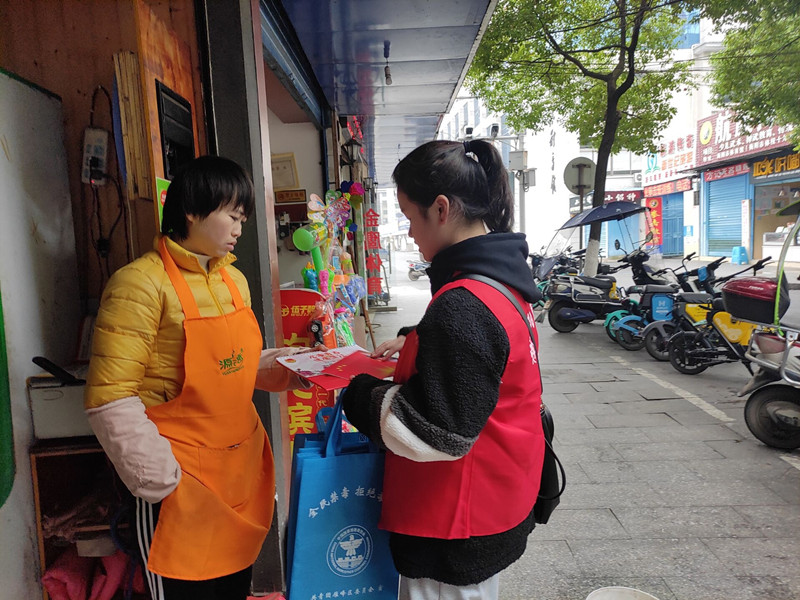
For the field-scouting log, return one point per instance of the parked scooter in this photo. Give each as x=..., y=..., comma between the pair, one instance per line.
x=576, y=299
x=655, y=312
x=722, y=338
x=772, y=412
x=417, y=269
x=686, y=307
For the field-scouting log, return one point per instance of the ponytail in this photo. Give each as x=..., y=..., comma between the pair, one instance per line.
x=479, y=189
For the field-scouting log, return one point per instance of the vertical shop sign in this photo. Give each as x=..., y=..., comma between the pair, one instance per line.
x=298, y=308
x=653, y=213
x=372, y=243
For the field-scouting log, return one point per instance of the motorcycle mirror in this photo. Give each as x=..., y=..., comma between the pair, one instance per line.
x=617, y=245
x=648, y=237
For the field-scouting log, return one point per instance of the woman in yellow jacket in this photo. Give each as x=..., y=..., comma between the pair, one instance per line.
x=176, y=354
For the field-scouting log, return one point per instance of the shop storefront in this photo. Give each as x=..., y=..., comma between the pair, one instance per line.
x=776, y=182
x=729, y=198
x=725, y=190
x=668, y=199
x=668, y=190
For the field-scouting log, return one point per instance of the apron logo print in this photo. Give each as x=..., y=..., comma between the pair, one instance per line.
x=232, y=364
x=350, y=551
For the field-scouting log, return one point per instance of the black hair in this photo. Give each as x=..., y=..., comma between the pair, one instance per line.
x=478, y=189
x=202, y=186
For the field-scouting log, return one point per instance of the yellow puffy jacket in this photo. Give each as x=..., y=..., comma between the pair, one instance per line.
x=138, y=343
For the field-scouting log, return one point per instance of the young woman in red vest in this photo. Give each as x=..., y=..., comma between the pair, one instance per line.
x=460, y=422
x=176, y=355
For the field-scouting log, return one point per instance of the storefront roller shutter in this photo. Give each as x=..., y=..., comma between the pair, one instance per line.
x=672, y=228
x=723, y=215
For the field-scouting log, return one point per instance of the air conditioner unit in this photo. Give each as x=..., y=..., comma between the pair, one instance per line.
x=637, y=178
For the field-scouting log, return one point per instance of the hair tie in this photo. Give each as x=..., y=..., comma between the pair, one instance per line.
x=467, y=147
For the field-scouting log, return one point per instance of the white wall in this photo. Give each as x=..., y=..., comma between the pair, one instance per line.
x=302, y=139
x=39, y=285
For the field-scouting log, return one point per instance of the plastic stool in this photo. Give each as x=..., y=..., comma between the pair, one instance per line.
x=739, y=256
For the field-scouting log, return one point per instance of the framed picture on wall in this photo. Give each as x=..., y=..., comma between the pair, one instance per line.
x=284, y=172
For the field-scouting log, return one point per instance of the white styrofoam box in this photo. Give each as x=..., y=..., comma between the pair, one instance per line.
x=57, y=411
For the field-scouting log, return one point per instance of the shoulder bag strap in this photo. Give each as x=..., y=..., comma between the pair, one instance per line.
x=547, y=419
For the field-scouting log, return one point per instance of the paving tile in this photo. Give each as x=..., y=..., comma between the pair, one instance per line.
x=694, y=416
x=562, y=387
x=652, y=406
x=787, y=487
x=607, y=495
x=758, y=556
x=697, y=433
x=747, y=449
x=647, y=557
x=542, y=586
x=611, y=472
x=685, y=522
x=753, y=469
x=604, y=397
x=734, y=588
x=774, y=521
x=633, y=420
x=577, y=524
x=578, y=453
x=667, y=451
x=593, y=435
x=570, y=420
x=715, y=493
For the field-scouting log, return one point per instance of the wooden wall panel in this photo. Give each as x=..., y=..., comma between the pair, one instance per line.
x=166, y=58
x=66, y=47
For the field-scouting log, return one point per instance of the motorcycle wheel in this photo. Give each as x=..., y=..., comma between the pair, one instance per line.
x=556, y=322
x=629, y=340
x=772, y=415
x=680, y=346
x=413, y=275
x=656, y=344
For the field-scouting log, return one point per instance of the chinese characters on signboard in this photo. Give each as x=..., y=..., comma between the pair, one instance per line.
x=372, y=245
x=672, y=159
x=653, y=216
x=670, y=187
x=725, y=172
x=776, y=167
x=297, y=308
x=720, y=138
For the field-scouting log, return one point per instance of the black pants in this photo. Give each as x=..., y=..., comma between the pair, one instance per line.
x=235, y=586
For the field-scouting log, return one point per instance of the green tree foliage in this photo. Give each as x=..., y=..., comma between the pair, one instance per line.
x=758, y=72
x=602, y=69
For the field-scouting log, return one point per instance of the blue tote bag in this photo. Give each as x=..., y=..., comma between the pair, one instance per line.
x=334, y=546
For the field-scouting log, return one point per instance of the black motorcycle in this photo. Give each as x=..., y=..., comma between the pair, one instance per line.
x=576, y=299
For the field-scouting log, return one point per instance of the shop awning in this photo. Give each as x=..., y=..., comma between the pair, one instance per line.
x=427, y=45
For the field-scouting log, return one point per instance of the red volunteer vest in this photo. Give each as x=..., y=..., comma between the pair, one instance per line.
x=494, y=487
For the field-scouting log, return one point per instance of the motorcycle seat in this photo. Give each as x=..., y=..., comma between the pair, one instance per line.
x=695, y=297
x=658, y=289
x=602, y=283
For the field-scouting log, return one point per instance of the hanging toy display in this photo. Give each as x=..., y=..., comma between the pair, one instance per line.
x=330, y=271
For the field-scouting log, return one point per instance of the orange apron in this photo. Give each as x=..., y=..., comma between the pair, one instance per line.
x=216, y=520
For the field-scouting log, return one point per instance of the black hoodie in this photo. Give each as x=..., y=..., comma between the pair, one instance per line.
x=462, y=354
x=501, y=256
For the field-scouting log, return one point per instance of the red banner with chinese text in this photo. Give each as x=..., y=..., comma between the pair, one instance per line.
x=297, y=308
x=654, y=208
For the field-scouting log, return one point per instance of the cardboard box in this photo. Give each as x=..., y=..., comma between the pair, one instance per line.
x=57, y=409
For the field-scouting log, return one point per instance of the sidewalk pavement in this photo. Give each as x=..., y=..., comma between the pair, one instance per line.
x=667, y=491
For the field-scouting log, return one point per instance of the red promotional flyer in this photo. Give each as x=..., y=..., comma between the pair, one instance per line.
x=333, y=369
